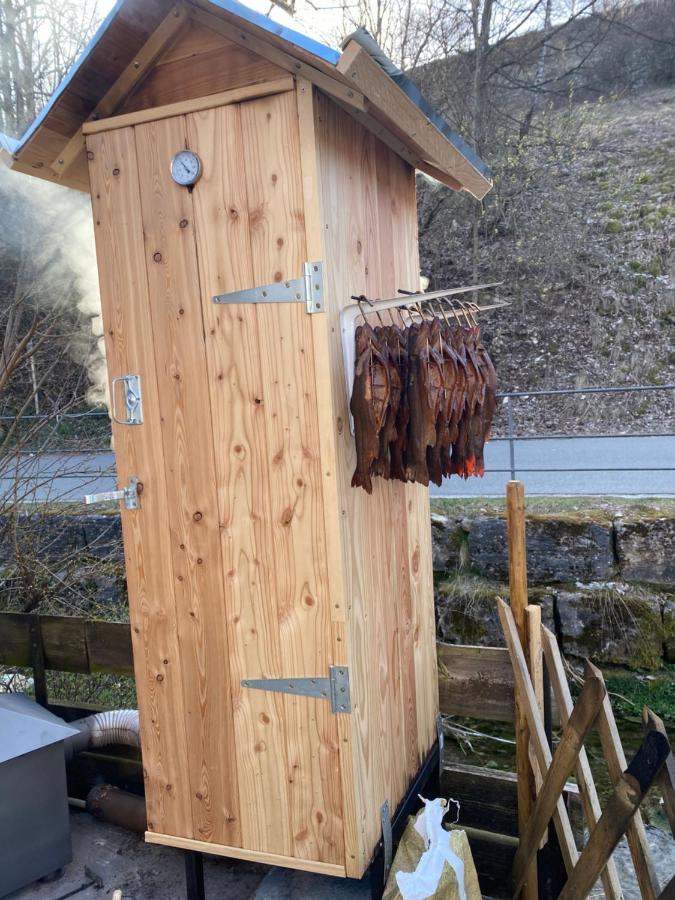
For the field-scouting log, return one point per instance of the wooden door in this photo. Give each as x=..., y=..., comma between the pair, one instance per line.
x=226, y=556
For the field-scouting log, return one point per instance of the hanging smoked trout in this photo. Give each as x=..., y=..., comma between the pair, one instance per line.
x=369, y=403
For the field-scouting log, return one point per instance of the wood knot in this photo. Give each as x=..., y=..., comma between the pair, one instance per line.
x=159, y=677
x=90, y=155
x=287, y=516
x=116, y=171
x=197, y=516
x=157, y=256
x=183, y=223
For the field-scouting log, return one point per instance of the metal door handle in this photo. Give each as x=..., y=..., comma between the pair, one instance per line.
x=133, y=399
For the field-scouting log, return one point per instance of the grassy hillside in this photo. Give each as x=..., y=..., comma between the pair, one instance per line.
x=580, y=228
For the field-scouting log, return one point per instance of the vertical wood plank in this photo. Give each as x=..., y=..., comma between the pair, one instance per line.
x=401, y=211
x=341, y=650
x=186, y=430
x=387, y=570
x=237, y=402
x=515, y=518
x=129, y=350
x=276, y=216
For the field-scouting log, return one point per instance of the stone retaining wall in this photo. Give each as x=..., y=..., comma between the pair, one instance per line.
x=606, y=587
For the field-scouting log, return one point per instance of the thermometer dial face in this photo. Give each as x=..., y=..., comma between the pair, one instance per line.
x=186, y=168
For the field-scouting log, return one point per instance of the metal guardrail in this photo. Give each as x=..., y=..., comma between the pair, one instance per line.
x=509, y=398
x=512, y=437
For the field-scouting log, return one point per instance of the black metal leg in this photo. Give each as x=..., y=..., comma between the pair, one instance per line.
x=194, y=875
x=427, y=783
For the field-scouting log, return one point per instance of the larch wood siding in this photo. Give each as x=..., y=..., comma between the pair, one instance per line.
x=200, y=62
x=369, y=227
x=251, y=556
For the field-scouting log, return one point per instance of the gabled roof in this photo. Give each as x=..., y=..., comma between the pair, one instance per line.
x=136, y=32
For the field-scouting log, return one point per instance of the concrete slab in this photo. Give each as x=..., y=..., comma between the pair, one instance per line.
x=114, y=858
x=106, y=857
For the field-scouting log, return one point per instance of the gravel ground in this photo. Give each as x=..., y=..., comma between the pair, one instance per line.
x=106, y=857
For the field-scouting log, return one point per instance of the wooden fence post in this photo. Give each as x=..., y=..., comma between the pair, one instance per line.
x=515, y=524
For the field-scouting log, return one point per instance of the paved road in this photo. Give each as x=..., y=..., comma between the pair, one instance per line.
x=537, y=460
x=59, y=476
x=68, y=476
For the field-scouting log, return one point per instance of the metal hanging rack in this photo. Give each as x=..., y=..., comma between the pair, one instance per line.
x=415, y=305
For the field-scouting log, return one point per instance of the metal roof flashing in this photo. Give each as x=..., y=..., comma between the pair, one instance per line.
x=25, y=726
x=363, y=37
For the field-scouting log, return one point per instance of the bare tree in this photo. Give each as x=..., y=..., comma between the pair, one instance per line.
x=39, y=40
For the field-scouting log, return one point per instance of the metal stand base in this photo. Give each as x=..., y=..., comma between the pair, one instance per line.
x=427, y=783
x=194, y=875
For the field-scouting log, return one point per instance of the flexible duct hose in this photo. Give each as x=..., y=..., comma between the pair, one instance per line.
x=116, y=726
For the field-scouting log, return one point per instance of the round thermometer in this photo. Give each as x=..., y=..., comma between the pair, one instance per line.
x=186, y=168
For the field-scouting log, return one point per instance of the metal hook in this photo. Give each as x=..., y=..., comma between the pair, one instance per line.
x=362, y=299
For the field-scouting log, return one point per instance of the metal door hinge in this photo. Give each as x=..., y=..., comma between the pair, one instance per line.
x=307, y=290
x=133, y=400
x=130, y=495
x=334, y=688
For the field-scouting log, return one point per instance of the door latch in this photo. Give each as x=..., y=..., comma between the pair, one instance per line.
x=130, y=495
x=133, y=399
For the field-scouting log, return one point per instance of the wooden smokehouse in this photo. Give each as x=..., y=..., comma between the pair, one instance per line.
x=283, y=622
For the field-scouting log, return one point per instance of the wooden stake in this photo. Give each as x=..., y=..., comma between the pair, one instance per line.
x=666, y=777
x=624, y=803
x=515, y=524
x=589, y=795
x=542, y=750
x=635, y=831
x=566, y=755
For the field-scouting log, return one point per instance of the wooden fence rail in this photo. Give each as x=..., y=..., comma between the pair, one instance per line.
x=476, y=682
x=68, y=643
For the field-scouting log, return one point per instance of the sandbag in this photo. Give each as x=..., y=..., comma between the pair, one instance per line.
x=431, y=862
